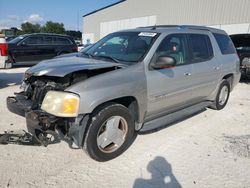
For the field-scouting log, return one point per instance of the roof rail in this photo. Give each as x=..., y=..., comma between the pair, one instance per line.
x=158, y=26
x=195, y=27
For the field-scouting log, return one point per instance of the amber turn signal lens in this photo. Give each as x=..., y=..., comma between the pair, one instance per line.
x=61, y=104
x=69, y=106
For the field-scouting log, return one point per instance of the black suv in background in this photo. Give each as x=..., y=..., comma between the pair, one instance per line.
x=242, y=45
x=32, y=48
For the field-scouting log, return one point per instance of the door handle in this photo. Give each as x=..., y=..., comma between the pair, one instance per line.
x=187, y=74
x=216, y=68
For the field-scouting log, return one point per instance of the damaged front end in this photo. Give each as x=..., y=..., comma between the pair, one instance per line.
x=49, y=109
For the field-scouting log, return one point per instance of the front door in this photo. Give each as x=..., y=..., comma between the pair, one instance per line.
x=170, y=89
x=29, y=50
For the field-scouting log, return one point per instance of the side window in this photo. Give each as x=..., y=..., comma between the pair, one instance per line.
x=201, y=47
x=34, y=40
x=48, y=40
x=62, y=41
x=174, y=46
x=225, y=43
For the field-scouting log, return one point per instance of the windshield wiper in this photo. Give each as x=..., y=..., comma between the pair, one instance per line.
x=87, y=54
x=107, y=57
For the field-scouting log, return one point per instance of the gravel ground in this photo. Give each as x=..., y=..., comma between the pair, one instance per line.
x=211, y=149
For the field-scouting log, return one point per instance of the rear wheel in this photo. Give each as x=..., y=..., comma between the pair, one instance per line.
x=222, y=96
x=110, y=133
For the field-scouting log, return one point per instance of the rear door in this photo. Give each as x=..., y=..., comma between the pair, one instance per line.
x=170, y=89
x=63, y=45
x=47, y=48
x=206, y=67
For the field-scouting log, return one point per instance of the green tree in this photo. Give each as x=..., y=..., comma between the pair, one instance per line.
x=53, y=27
x=30, y=28
x=77, y=35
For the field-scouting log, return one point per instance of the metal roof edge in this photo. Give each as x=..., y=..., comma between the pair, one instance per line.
x=121, y=1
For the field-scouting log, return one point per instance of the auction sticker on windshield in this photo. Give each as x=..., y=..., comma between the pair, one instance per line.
x=145, y=34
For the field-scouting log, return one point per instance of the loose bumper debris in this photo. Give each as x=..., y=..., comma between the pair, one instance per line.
x=21, y=137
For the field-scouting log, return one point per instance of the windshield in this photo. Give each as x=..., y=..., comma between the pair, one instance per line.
x=123, y=46
x=16, y=40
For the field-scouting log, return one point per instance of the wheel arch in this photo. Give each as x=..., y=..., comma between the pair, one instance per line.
x=229, y=78
x=128, y=101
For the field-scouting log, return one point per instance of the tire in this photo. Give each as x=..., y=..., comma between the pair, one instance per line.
x=9, y=64
x=220, y=101
x=98, y=138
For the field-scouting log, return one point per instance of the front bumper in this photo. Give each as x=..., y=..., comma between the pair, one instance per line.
x=19, y=104
x=22, y=106
x=3, y=60
x=39, y=121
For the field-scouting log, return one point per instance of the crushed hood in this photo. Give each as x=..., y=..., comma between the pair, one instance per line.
x=60, y=67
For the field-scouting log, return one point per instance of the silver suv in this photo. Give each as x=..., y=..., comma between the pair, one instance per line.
x=130, y=81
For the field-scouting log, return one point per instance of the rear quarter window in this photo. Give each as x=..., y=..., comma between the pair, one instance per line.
x=225, y=44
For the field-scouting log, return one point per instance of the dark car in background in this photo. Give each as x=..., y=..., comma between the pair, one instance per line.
x=33, y=48
x=75, y=54
x=242, y=45
x=8, y=39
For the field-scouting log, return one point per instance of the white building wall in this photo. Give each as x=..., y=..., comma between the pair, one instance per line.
x=88, y=38
x=109, y=27
x=232, y=15
x=234, y=28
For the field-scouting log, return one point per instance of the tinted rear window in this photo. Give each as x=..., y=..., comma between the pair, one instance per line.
x=225, y=44
x=62, y=41
x=201, y=47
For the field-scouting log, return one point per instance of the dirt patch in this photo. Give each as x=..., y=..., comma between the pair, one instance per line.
x=239, y=145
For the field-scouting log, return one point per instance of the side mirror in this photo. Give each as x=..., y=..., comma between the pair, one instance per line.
x=23, y=44
x=164, y=62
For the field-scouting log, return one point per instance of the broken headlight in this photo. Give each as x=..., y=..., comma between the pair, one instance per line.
x=62, y=104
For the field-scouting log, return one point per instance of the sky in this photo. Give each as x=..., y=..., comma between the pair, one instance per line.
x=69, y=12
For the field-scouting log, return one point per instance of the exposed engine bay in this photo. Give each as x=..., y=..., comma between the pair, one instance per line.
x=36, y=87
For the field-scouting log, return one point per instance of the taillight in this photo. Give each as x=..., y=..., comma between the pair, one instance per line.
x=4, y=49
x=75, y=48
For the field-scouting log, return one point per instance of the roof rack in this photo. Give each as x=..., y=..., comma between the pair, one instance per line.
x=195, y=27
x=153, y=27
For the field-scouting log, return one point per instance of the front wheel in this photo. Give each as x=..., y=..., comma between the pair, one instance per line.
x=110, y=133
x=222, y=96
